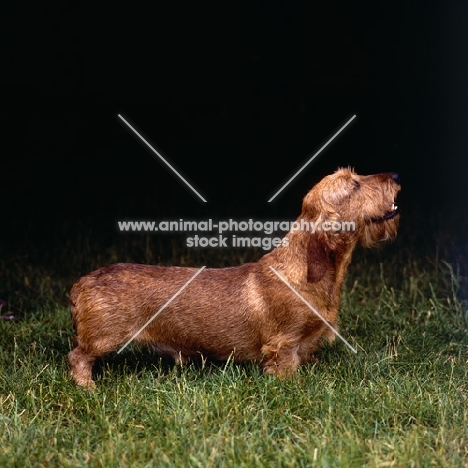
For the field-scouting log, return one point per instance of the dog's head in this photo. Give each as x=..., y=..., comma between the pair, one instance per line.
x=347, y=208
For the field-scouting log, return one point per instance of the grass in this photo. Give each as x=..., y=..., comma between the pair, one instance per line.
x=401, y=401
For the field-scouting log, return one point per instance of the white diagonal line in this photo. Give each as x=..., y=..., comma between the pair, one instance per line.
x=312, y=158
x=162, y=159
x=161, y=309
x=313, y=310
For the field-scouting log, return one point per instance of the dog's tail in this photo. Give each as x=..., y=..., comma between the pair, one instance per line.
x=72, y=308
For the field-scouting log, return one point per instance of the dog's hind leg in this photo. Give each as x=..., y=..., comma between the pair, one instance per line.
x=81, y=364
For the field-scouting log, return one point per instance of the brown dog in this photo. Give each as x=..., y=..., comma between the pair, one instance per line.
x=245, y=311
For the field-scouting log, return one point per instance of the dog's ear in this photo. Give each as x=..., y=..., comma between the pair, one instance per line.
x=318, y=258
x=340, y=187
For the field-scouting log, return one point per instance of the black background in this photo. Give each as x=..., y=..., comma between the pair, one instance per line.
x=237, y=98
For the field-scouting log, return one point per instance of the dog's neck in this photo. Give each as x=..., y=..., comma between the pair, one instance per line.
x=292, y=261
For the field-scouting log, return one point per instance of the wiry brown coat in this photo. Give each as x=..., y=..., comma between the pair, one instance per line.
x=245, y=310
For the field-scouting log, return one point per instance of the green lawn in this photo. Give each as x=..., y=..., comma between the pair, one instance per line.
x=401, y=401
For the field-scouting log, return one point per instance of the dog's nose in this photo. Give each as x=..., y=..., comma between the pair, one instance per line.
x=395, y=176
